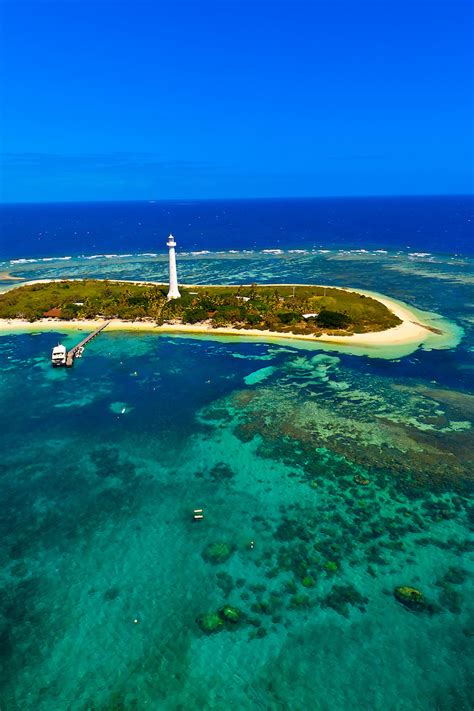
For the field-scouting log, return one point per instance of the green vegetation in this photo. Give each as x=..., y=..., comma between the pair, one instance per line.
x=230, y=614
x=276, y=308
x=210, y=622
x=225, y=618
x=410, y=597
x=217, y=552
x=333, y=319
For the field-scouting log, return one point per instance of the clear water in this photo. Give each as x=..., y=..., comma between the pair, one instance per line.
x=103, y=464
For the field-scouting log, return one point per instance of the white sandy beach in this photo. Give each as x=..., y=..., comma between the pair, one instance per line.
x=411, y=332
x=6, y=276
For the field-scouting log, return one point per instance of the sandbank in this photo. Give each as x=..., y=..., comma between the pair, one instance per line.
x=6, y=276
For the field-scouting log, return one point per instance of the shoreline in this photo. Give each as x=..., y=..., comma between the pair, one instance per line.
x=407, y=336
x=6, y=276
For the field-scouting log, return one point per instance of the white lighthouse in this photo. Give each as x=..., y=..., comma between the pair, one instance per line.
x=173, y=292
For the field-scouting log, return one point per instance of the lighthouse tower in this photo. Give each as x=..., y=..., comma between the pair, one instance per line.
x=173, y=292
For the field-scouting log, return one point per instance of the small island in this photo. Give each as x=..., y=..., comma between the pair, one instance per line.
x=300, y=310
x=366, y=323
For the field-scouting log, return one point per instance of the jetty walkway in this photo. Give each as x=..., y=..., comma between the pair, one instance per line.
x=74, y=351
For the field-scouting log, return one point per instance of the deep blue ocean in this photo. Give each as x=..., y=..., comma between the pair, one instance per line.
x=428, y=224
x=329, y=477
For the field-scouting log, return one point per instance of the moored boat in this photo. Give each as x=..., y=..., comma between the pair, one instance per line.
x=58, y=355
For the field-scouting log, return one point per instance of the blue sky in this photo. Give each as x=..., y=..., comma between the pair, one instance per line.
x=225, y=98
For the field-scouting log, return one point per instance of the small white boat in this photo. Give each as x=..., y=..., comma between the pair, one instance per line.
x=58, y=355
x=79, y=352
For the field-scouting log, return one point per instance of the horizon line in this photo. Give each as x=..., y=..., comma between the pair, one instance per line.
x=238, y=199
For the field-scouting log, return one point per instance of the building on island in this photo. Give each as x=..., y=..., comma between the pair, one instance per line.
x=173, y=292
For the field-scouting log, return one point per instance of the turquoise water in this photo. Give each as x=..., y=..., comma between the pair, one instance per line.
x=329, y=479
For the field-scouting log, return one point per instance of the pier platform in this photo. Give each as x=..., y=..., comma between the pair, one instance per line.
x=71, y=355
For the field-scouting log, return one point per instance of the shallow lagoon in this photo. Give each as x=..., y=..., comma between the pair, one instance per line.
x=102, y=466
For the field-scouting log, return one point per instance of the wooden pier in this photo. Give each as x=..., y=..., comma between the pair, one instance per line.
x=73, y=352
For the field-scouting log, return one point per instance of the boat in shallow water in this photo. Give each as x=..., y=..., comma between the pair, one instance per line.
x=58, y=355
